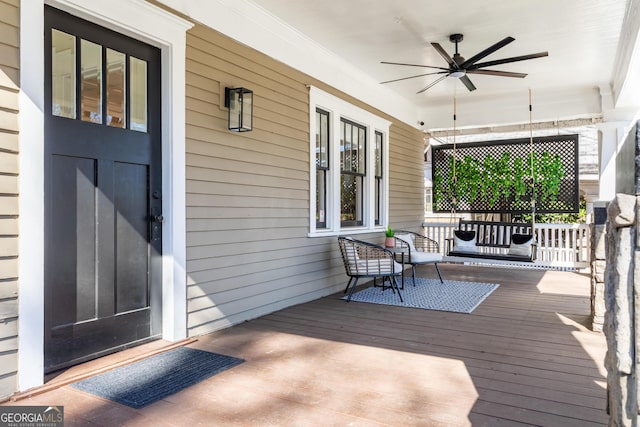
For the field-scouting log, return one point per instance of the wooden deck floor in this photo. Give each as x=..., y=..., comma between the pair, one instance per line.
x=523, y=357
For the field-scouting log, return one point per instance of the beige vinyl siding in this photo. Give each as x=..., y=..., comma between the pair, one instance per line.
x=406, y=177
x=248, y=253
x=9, y=89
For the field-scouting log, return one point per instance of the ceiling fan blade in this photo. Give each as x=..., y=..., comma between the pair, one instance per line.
x=445, y=55
x=433, y=83
x=508, y=60
x=413, y=77
x=414, y=65
x=488, y=51
x=467, y=82
x=497, y=73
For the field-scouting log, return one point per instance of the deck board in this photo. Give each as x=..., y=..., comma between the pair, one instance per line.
x=524, y=357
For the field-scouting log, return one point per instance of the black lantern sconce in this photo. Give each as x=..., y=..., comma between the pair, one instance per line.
x=239, y=101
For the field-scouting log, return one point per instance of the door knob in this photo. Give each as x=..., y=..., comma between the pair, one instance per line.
x=158, y=218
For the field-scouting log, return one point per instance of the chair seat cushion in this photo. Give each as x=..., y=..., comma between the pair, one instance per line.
x=376, y=266
x=423, y=257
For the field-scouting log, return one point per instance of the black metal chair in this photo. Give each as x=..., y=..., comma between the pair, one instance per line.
x=417, y=249
x=363, y=259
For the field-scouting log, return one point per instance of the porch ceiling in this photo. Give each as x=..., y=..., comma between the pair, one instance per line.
x=581, y=36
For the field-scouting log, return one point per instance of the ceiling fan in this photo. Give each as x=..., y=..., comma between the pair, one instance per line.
x=460, y=67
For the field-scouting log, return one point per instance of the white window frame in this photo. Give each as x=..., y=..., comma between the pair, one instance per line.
x=339, y=109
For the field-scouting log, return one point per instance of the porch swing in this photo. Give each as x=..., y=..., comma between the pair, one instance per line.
x=493, y=241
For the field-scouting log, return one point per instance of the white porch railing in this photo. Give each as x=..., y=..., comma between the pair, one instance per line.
x=561, y=246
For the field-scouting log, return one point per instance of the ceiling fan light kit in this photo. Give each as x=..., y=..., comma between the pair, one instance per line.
x=459, y=67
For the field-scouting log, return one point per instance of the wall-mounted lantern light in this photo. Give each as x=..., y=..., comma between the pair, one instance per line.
x=239, y=101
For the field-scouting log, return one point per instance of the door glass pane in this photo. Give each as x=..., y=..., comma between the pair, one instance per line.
x=91, y=83
x=138, y=90
x=63, y=74
x=116, y=68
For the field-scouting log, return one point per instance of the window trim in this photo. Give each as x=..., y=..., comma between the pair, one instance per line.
x=339, y=109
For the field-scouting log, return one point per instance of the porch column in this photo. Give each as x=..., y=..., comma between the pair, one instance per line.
x=620, y=326
x=607, y=145
x=607, y=149
x=598, y=264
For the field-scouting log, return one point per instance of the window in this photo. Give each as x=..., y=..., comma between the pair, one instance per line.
x=322, y=166
x=349, y=180
x=353, y=146
x=378, y=190
x=428, y=200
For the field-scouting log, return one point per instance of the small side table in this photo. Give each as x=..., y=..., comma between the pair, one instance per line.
x=398, y=252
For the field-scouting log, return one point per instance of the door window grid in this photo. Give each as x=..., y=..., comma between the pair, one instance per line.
x=99, y=70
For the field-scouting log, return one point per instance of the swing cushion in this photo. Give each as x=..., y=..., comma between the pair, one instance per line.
x=464, y=241
x=521, y=245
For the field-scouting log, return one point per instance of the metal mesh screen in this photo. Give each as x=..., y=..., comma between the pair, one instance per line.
x=496, y=176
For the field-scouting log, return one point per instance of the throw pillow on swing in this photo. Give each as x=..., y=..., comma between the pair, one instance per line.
x=464, y=241
x=521, y=245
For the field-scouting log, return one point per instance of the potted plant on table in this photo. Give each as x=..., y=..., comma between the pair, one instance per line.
x=389, y=242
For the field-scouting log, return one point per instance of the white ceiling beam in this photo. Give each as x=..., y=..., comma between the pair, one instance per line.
x=626, y=75
x=483, y=111
x=556, y=124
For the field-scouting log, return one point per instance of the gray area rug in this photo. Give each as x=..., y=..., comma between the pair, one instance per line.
x=430, y=294
x=152, y=379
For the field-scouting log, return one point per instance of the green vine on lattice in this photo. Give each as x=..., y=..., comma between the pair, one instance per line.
x=503, y=180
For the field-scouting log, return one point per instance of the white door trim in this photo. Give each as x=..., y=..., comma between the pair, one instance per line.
x=134, y=18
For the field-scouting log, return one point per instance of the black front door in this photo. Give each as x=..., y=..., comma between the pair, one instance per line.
x=103, y=191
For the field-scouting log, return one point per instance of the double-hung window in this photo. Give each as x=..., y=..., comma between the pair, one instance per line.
x=349, y=176
x=353, y=171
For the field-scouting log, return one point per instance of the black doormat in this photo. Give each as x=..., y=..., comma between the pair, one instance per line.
x=152, y=379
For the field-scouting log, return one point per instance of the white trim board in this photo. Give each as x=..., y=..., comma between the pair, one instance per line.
x=160, y=29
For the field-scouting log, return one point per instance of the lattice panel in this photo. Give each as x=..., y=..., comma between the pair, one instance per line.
x=496, y=176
